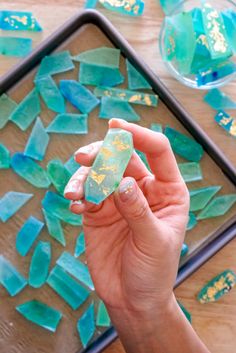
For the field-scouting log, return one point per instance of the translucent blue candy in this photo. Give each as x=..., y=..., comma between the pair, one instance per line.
x=114, y=108
x=124, y=7
x=213, y=72
x=27, y=235
x=19, y=21
x=219, y=206
x=219, y=100
x=55, y=64
x=10, y=278
x=168, y=6
x=156, y=127
x=4, y=157
x=58, y=175
x=86, y=325
x=102, y=57
x=192, y=222
x=7, y=106
x=90, y=4
x=103, y=319
x=67, y=123
x=143, y=158
x=11, y=202
x=50, y=93
x=199, y=198
x=190, y=171
x=99, y=75
x=71, y=165
x=39, y=266
x=15, y=46
x=54, y=227
x=227, y=122
x=184, y=250
x=135, y=79
x=229, y=18
x=38, y=142
x=80, y=245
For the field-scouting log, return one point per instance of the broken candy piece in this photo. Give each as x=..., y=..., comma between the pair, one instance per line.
x=185, y=311
x=192, y=221
x=7, y=106
x=227, y=122
x=104, y=56
x=58, y=175
x=125, y=7
x=38, y=142
x=218, y=100
x=109, y=165
x=215, y=71
x=19, y=21
x=39, y=266
x=156, y=127
x=113, y=108
x=143, y=158
x=199, y=198
x=68, y=123
x=86, y=325
x=55, y=64
x=10, y=278
x=190, y=171
x=99, y=75
x=11, y=202
x=135, y=79
x=229, y=19
x=184, y=250
x=168, y=6
x=71, y=165
x=80, y=245
x=218, y=206
x=54, y=227
x=90, y=4
x=40, y=314
x=15, y=46
x=50, y=93
x=4, y=157
x=217, y=287
x=103, y=319
x=27, y=235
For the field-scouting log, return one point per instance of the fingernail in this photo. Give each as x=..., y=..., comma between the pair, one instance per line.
x=118, y=120
x=84, y=150
x=73, y=186
x=74, y=203
x=126, y=189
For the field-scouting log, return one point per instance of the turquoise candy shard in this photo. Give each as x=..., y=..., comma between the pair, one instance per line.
x=156, y=127
x=76, y=269
x=40, y=314
x=218, y=206
x=109, y=166
x=192, y=221
x=4, y=157
x=78, y=95
x=99, y=75
x=227, y=122
x=184, y=250
x=39, y=266
x=29, y=170
x=127, y=96
x=68, y=123
x=38, y=142
x=213, y=72
x=15, y=46
x=54, y=228
x=168, y=6
x=124, y=7
x=27, y=235
x=143, y=158
x=229, y=19
x=19, y=21
x=90, y=4
x=199, y=198
x=186, y=312
x=218, y=100
x=169, y=40
x=104, y=56
x=103, y=319
x=217, y=287
x=66, y=287
x=7, y=106
x=71, y=165
x=55, y=64
x=11, y=202
x=58, y=175
x=183, y=145
x=10, y=278
x=135, y=79
x=114, y=108
x=58, y=207
x=190, y=171
x=86, y=325
x=51, y=94
x=80, y=245
x=27, y=110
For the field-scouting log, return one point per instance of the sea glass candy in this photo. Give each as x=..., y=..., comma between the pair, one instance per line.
x=184, y=145
x=54, y=227
x=71, y=165
x=68, y=123
x=143, y=158
x=67, y=288
x=114, y=108
x=218, y=206
x=192, y=221
x=28, y=234
x=103, y=56
x=86, y=325
x=78, y=95
x=109, y=165
x=186, y=312
x=27, y=110
x=10, y=278
x=184, y=250
x=227, y=122
x=99, y=75
x=217, y=287
x=124, y=7
x=103, y=319
x=169, y=40
x=199, y=198
x=168, y=6
x=29, y=170
x=190, y=171
x=58, y=175
x=156, y=127
x=7, y=106
x=80, y=245
x=11, y=202
x=15, y=46
x=4, y=157
x=19, y=21
x=219, y=100
x=50, y=93
x=229, y=19
x=39, y=266
x=55, y=64
x=215, y=71
x=40, y=314
x=38, y=142
x=135, y=79
x=90, y=4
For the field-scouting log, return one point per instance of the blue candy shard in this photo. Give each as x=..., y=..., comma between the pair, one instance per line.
x=19, y=21
x=199, y=198
x=15, y=46
x=10, y=278
x=51, y=94
x=135, y=79
x=229, y=18
x=80, y=245
x=55, y=64
x=213, y=72
x=227, y=122
x=103, y=319
x=11, y=202
x=4, y=157
x=39, y=266
x=114, y=108
x=54, y=227
x=184, y=250
x=86, y=325
x=219, y=100
x=67, y=123
x=99, y=76
x=58, y=175
x=101, y=57
x=169, y=6
x=38, y=142
x=71, y=165
x=156, y=127
x=7, y=106
x=192, y=221
x=90, y=4
x=78, y=95
x=124, y=7
x=190, y=171
x=28, y=234
x=27, y=110
x=219, y=206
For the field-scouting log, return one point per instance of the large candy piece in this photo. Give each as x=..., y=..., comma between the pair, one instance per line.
x=54, y=227
x=218, y=206
x=219, y=100
x=80, y=245
x=103, y=319
x=39, y=266
x=4, y=157
x=215, y=71
x=125, y=7
x=55, y=64
x=135, y=79
x=11, y=202
x=103, y=56
x=50, y=93
x=68, y=123
x=19, y=21
x=227, y=122
x=199, y=198
x=7, y=106
x=229, y=18
x=15, y=46
x=114, y=108
x=190, y=171
x=38, y=142
x=109, y=165
x=58, y=175
x=99, y=75
x=27, y=235
x=86, y=325
x=10, y=278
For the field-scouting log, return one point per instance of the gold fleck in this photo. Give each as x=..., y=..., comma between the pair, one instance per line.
x=98, y=178
x=232, y=130
x=120, y=146
x=147, y=100
x=112, y=168
x=106, y=152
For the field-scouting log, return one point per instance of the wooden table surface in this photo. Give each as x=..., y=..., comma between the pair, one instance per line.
x=215, y=323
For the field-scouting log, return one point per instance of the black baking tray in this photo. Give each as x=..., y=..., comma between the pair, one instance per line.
x=93, y=17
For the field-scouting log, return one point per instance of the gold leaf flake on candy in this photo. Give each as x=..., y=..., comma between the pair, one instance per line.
x=147, y=100
x=23, y=19
x=135, y=98
x=218, y=40
x=112, y=168
x=202, y=39
x=98, y=178
x=105, y=191
x=225, y=121
x=106, y=152
x=120, y=146
x=232, y=130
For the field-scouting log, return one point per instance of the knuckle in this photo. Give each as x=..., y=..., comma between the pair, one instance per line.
x=139, y=212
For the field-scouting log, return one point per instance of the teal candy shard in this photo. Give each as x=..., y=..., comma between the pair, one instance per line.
x=38, y=142
x=40, y=314
x=190, y=171
x=67, y=288
x=124, y=7
x=156, y=127
x=217, y=287
x=227, y=122
x=5, y=157
x=27, y=235
x=229, y=19
x=10, y=278
x=19, y=21
x=76, y=269
x=99, y=75
x=199, y=198
x=27, y=111
x=90, y=4
x=58, y=207
x=103, y=56
x=183, y=145
x=109, y=166
x=11, y=202
x=192, y=221
x=29, y=170
x=219, y=100
x=213, y=72
x=54, y=227
x=58, y=175
x=127, y=96
x=218, y=206
x=186, y=313
x=15, y=46
x=68, y=123
x=169, y=6
x=143, y=158
x=86, y=325
x=170, y=34
x=114, y=108
x=39, y=266
x=55, y=64
x=51, y=94
x=7, y=106
x=80, y=245
x=78, y=95
x=103, y=319
x=135, y=79
x=184, y=250
x=71, y=165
